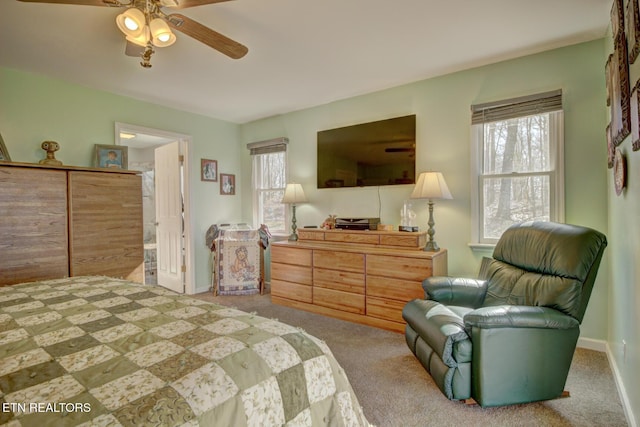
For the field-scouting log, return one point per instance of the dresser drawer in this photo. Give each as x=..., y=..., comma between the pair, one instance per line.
x=396, y=289
x=291, y=273
x=339, y=280
x=334, y=260
x=399, y=267
x=293, y=291
x=385, y=309
x=343, y=301
x=295, y=256
x=410, y=240
x=346, y=237
x=310, y=235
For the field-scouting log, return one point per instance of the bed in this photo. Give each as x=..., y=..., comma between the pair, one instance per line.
x=99, y=351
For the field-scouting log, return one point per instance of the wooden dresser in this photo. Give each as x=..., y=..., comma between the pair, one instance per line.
x=69, y=221
x=360, y=276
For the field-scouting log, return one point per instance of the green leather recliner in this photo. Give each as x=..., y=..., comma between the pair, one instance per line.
x=509, y=336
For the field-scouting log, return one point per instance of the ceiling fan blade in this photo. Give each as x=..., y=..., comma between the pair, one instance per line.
x=183, y=4
x=114, y=3
x=206, y=35
x=132, y=49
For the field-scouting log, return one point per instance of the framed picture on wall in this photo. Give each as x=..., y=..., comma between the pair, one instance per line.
x=4, y=154
x=111, y=156
x=632, y=29
x=618, y=64
x=227, y=184
x=608, y=78
x=610, y=148
x=635, y=115
x=617, y=18
x=208, y=170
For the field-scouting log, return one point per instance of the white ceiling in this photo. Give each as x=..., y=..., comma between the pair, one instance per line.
x=302, y=53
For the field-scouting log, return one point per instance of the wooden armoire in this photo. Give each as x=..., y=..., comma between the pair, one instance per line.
x=60, y=221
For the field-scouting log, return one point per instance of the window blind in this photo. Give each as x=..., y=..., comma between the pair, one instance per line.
x=269, y=146
x=516, y=107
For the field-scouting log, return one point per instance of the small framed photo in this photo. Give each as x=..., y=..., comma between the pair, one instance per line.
x=208, y=170
x=4, y=154
x=227, y=184
x=111, y=156
x=632, y=23
x=617, y=18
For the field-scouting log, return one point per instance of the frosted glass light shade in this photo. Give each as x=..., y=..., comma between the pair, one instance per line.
x=142, y=39
x=293, y=194
x=161, y=34
x=431, y=185
x=131, y=22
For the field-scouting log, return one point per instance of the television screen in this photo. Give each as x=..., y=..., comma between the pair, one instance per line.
x=368, y=154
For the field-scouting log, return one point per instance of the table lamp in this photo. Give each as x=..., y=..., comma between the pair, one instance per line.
x=431, y=185
x=293, y=194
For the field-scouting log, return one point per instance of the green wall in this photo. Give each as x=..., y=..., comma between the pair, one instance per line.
x=35, y=108
x=442, y=106
x=624, y=252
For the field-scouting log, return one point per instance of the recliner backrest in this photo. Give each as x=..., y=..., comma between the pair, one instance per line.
x=545, y=264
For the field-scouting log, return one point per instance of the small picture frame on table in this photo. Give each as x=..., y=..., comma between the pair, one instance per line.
x=208, y=170
x=227, y=184
x=111, y=156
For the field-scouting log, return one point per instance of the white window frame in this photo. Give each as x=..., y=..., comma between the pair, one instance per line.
x=256, y=192
x=555, y=174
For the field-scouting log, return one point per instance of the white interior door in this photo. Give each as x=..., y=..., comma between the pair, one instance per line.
x=169, y=224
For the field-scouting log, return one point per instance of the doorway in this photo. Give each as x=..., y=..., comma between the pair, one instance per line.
x=167, y=243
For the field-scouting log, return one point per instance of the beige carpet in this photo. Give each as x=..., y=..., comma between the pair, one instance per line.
x=394, y=389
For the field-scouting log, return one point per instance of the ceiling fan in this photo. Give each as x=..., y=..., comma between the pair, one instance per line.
x=146, y=25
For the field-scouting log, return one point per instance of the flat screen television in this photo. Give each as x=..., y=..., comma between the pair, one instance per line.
x=368, y=154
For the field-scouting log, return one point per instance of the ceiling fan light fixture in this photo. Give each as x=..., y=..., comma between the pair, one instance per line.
x=142, y=39
x=161, y=34
x=131, y=22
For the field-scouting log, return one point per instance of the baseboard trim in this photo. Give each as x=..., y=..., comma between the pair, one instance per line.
x=622, y=392
x=591, y=344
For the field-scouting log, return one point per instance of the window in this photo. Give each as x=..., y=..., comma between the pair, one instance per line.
x=269, y=178
x=518, y=164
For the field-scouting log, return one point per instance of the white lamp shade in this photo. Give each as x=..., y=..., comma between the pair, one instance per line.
x=293, y=194
x=161, y=34
x=142, y=39
x=131, y=22
x=431, y=185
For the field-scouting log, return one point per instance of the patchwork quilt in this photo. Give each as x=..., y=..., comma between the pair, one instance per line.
x=95, y=351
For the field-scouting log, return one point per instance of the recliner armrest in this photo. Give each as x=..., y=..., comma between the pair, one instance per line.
x=455, y=290
x=518, y=316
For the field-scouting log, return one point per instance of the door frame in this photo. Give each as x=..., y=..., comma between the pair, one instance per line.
x=185, y=149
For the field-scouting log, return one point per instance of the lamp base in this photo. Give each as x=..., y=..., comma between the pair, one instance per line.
x=293, y=237
x=431, y=246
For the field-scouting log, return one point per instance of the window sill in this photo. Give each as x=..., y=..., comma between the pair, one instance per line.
x=482, y=247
